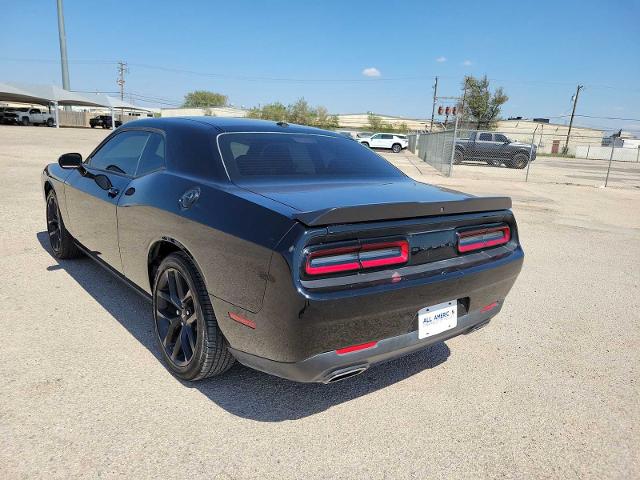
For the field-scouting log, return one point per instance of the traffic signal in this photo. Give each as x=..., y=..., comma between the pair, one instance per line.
x=447, y=111
x=440, y=110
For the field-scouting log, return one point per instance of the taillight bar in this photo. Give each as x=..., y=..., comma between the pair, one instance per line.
x=354, y=258
x=483, y=238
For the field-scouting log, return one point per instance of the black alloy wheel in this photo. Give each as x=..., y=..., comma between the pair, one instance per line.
x=176, y=317
x=186, y=327
x=61, y=241
x=53, y=224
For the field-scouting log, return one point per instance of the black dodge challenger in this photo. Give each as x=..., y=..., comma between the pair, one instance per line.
x=293, y=250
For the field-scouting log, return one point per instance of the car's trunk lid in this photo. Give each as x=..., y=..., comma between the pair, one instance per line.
x=317, y=204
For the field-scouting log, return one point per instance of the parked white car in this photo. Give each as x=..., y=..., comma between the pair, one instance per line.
x=392, y=141
x=35, y=116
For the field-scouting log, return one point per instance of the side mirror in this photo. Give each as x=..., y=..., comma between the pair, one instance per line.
x=70, y=160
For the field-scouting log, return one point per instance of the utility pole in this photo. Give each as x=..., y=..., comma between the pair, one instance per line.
x=573, y=112
x=122, y=69
x=435, y=99
x=464, y=98
x=63, y=47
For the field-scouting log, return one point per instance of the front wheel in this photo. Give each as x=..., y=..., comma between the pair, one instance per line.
x=60, y=239
x=396, y=148
x=458, y=157
x=187, y=331
x=519, y=161
x=366, y=144
x=25, y=121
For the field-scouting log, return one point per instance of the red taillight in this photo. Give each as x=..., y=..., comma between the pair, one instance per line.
x=355, y=348
x=349, y=259
x=483, y=238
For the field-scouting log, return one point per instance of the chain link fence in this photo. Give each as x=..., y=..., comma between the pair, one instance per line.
x=529, y=156
x=434, y=148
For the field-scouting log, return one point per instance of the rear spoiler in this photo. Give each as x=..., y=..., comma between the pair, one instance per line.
x=397, y=211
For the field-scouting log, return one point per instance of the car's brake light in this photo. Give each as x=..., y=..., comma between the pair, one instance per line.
x=483, y=238
x=350, y=259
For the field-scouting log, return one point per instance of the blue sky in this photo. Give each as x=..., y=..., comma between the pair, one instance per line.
x=258, y=52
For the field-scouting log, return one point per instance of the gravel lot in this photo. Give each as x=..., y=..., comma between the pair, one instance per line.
x=549, y=389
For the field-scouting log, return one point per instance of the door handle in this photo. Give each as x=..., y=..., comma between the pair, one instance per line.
x=113, y=192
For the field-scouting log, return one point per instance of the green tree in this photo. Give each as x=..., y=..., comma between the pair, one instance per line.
x=301, y=113
x=375, y=122
x=271, y=111
x=481, y=106
x=204, y=99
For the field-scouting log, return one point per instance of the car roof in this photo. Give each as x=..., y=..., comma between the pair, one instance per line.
x=227, y=125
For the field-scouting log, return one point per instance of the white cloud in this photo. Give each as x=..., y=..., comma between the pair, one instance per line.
x=371, y=72
x=467, y=63
x=441, y=59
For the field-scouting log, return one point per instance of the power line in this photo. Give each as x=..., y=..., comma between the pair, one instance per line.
x=306, y=80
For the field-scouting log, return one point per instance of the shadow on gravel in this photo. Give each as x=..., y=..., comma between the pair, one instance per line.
x=242, y=391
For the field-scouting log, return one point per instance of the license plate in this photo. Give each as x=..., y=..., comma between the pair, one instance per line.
x=437, y=318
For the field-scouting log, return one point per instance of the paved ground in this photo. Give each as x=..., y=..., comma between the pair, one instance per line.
x=549, y=389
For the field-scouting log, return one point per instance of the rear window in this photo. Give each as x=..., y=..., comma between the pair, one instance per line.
x=273, y=156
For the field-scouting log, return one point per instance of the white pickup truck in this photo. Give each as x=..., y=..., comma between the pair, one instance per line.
x=393, y=141
x=34, y=116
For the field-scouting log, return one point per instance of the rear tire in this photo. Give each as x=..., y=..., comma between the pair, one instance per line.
x=458, y=156
x=60, y=239
x=187, y=331
x=519, y=161
x=50, y=122
x=396, y=148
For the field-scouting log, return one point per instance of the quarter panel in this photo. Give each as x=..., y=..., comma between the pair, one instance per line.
x=230, y=238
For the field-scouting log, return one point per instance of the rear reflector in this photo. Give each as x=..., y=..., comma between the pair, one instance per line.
x=349, y=259
x=242, y=320
x=483, y=238
x=491, y=306
x=355, y=348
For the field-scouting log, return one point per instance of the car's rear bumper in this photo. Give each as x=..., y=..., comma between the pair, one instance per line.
x=331, y=366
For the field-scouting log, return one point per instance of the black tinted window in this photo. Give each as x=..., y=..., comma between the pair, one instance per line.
x=486, y=137
x=153, y=155
x=121, y=153
x=386, y=136
x=289, y=156
x=500, y=138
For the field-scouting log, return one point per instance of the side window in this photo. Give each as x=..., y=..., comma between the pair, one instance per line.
x=152, y=158
x=375, y=137
x=485, y=137
x=500, y=138
x=34, y=110
x=386, y=136
x=121, y=153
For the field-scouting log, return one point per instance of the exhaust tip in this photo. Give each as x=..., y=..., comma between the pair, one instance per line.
x=344, y=374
